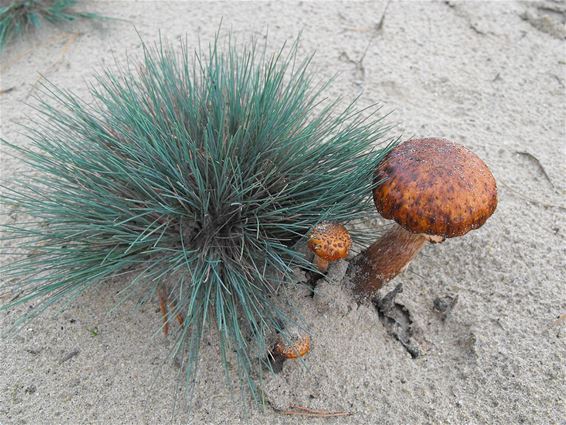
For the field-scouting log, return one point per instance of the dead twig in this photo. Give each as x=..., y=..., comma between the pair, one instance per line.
x=71, y=39
x=52, y=39
x=306, y=411
x=70, y=355
x=475, y=29
x=10, y=296
x=375, y=28
x=8, y=90
x=526, y=198
x=557, y=78
x=378, y=30
x=359, y=64
x=379, y=25
x=539, y=164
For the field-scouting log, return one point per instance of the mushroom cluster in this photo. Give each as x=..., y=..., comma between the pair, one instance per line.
x=434, y=189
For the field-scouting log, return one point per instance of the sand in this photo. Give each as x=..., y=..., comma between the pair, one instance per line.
x=470, y=335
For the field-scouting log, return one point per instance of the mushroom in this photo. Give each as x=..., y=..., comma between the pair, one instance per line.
x=329, y=241
x=434, y=189
x=299, y=347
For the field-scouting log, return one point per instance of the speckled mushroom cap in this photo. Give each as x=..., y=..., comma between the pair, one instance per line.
x=435, y=187
x=298, y=348
x=330, y=241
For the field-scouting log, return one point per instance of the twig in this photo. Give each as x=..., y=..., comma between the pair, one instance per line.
x=8, y=90
x=549, y=7
x=71, y=38
x=306, y=411
x=359, y=64
x=476, y=29
x=10, y=296
x=526, y=198
x=557, y=78
x=70, y=355
x=15, y=297
x=379, y=25
x=537, y=161
x=53, y=38
x=378, y=29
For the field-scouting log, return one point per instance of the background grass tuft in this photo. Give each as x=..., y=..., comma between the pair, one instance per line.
x=21, y=16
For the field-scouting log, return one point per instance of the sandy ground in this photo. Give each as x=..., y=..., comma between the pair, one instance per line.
x=476, y=314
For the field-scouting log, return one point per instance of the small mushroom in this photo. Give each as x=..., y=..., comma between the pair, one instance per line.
x=329, y=241
x=299, y=347
x=434, y=189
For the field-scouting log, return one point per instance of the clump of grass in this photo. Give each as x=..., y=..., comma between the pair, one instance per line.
x=21, y=16
x=202, y=171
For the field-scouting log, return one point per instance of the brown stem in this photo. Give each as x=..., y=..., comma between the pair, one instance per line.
x=162, y=293
x=179, y=316
x=321, y=264
x=384, y=260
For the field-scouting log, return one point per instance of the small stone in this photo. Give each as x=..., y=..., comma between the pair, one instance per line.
x=70, y=355
x=444, y=305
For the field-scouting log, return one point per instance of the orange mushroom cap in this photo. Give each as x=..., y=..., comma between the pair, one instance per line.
x=330, y=241
x=435, y=187
x=299, y=348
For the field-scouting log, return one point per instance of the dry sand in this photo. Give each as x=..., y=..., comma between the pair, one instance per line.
x=490, y=75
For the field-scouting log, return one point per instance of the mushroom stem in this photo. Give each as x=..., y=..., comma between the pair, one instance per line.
x=321, y=264
x=384, y=260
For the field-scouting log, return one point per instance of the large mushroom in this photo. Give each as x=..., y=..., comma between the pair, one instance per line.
x=434, y=189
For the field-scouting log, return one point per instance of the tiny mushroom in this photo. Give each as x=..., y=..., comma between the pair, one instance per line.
x=329, y=241
x=298, y=348
x=434, y=189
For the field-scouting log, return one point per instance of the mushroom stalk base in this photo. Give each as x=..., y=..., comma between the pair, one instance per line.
x=384, y=260
x=321, y=264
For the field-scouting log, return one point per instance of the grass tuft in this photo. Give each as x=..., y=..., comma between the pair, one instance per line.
x=200, y=171
x=21, y=16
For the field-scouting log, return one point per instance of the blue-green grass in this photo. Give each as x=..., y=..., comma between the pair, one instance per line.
x=205, y=170
x=18, y=17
